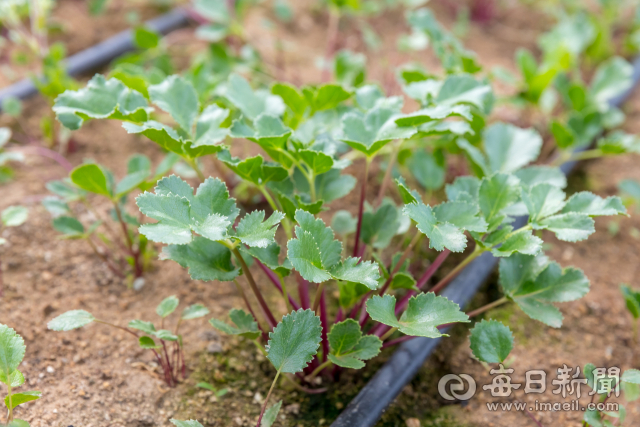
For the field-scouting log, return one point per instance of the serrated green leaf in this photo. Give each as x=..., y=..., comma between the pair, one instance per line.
x=588, y=203
x=325, y=97
x=534, y=284
x=543, y=200
x=403, y=281
x=464, y=189
x=101, y=99
x=369, y=133
x=522, y=241
x=491, y=341
x=270, y=414
x=253, y=230
x=177, y=97
x=314, y=249
x=291, y=97
x=441, y=234
x=73, y=319
x=20, y=398
x=12, y=350
x=354, y=270
x=495, y=194
x=539, y=174
x=147, y=342
x=251, y=104
x=14, y=216
x=509, y=147
x=209, y=212
x=167, y=306
x=317, y=162
x=306, y=257
x=570, y=227
x=429, y=114
x=254, y=169
x=194, y=311
x=208, y=126
x=246, y=326
x=408, y=196
x=344, y=336
x=294, y=341
x=423, y=315
x=206, y=260
x=612, y=78
x=90, y=177
x=464, y=89
x=15, y=379
x=462, y=215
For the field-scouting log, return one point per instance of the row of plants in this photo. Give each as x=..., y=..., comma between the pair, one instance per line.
x=312, y=135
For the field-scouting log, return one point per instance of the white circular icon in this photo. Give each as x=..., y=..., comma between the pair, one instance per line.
x=457, y=385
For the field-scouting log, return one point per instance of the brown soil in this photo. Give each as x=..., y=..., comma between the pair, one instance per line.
x=98, y=376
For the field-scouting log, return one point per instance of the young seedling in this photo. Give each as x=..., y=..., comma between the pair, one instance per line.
x=27, y=24
x=120, y=248
x=12, y=350
x=168, y=353
x=632, y=301
x=12, y=216
x=604, y=383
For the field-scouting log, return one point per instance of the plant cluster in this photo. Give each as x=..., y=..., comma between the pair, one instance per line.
x=311, y=134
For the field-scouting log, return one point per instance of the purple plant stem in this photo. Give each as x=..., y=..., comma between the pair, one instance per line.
x=276, y=282
x=339, y=315
x=325, y=327
x=363, y=193
x=398, y=341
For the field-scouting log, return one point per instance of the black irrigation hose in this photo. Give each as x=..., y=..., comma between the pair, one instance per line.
x=102, y=53
x=367, y=407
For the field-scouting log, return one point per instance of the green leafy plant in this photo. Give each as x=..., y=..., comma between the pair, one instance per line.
x=372, y=267
x=12, y=350
x=165, y=345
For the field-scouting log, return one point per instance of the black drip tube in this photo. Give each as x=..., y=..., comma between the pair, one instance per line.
x=102, y=53
x=367, y=407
